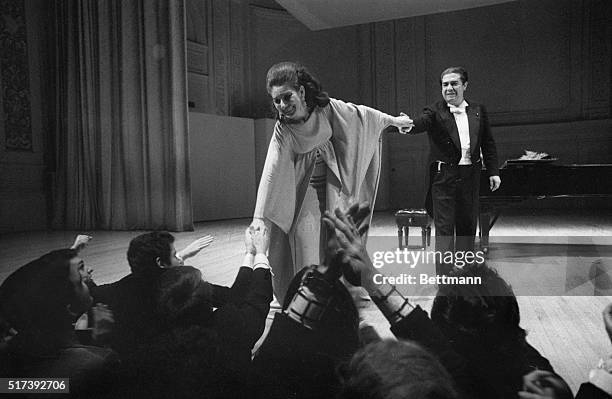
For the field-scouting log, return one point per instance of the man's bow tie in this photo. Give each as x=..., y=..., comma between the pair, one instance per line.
x=456, y=110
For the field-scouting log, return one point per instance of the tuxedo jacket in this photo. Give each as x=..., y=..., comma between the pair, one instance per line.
x=444, y=143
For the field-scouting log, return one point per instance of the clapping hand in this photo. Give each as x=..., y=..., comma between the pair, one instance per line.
x=195, y=247
x=348, y=229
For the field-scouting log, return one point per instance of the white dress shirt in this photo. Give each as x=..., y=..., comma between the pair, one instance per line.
x=463, y=127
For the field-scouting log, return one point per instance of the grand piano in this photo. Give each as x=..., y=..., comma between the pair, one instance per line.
x=543, y=179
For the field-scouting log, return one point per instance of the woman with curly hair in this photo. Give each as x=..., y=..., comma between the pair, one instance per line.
x=324, y=154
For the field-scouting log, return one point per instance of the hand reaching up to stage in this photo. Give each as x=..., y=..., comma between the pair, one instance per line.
x=195, y=247
x=261, y=239
x=81, y=242
x=348, y=229
x=249, y=248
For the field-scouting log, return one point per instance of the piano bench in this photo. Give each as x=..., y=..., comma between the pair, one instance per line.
x=416, y=218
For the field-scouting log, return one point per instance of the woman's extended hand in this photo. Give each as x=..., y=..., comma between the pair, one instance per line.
x=403, y=122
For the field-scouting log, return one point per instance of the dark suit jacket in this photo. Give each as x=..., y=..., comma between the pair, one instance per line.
x=444, y=141
x=132, y=300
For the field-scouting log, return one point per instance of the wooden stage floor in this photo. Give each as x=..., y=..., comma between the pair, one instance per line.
x=559, y=265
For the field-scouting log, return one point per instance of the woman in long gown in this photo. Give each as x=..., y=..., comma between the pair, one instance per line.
x=324, y=154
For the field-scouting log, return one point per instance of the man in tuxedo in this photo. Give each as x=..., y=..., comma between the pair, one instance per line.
x=460, y=142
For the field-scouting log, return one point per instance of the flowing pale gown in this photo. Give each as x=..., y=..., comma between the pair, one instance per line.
x=346, y=137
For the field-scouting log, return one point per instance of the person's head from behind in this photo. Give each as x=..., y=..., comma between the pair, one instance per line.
x=183, y=296
x=48, y=293
x=454, y=81
x=487, y=313
x=395, y=370
x=151, y=251
x=294, y=91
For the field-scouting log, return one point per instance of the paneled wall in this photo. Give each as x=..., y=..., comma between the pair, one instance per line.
x=217, y=56
x=23, y=200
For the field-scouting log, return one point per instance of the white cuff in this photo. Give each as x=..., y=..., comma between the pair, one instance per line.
x=261, y=262
x=261, y=259
x=248, y=260
x=602, y=380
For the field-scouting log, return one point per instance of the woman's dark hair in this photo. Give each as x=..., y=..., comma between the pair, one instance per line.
x=36, y=295
x=144, y=250
x=296, y=75
x=394, y=370
x=183, y=297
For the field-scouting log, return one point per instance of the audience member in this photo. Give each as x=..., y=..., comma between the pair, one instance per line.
x=41, y=301
x=132, y=299
x=395, y=370
x=201, y=352
x=480, y=323
x=315, y=332
x=180, y=336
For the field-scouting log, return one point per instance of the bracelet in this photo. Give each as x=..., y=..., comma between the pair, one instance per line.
x=311, y=301
x=384, y=297
x=392, y=312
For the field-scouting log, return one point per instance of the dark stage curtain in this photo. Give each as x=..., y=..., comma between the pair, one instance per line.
x=122, y=159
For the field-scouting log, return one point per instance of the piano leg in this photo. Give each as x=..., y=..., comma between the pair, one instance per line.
x=400, y=235
x=483, y=230
x=406, y=235
x=424, y=237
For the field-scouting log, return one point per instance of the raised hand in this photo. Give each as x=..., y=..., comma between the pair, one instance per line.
x=261, y=239
x=355, y=259
x=248, y=241
x=359, y=214
x=195, y=247
x=80, y=242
